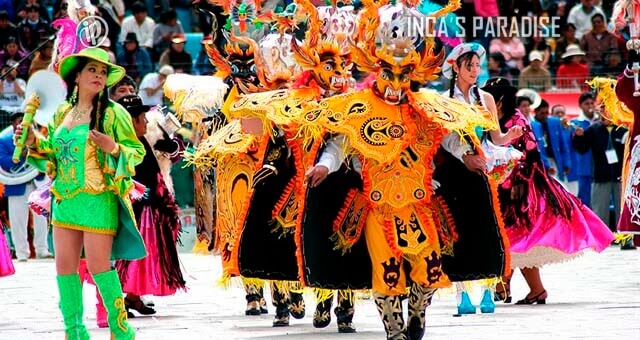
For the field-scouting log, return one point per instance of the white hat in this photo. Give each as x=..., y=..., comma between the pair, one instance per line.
x=166, y=70
x=457, y=52
x=535, y=55
x=572, y=50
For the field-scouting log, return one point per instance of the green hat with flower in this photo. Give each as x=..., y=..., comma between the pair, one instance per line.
x=114, y=72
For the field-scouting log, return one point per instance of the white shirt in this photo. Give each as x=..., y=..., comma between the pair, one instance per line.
x=9, y=100
x=582, y=20
x=333, y=154
x=143, y=32
x=452, y=141
x=151, y=80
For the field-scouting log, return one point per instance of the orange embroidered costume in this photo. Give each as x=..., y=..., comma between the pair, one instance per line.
x=396, y=133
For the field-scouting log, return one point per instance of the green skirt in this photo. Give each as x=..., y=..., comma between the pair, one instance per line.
x=95, y=213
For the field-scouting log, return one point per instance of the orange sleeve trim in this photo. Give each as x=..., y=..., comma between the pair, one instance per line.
x=301, y=191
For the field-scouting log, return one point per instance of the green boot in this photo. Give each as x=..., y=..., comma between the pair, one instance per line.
x=110, y=289
x=70, y=305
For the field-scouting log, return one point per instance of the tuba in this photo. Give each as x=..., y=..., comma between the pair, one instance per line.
x=49, y=89
x=18, y=174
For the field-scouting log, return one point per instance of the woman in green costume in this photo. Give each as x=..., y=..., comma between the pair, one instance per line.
x=90, y=153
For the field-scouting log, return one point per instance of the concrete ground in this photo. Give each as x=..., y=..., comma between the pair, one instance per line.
x=596, y=296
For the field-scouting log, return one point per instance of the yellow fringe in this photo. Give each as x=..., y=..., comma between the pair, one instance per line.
x=348, y=294
x=288, y=286
x=364, y=294
x=201, y=247
x=227, y=281
x=323, y=294
x=296, y=287
x=224, y=281
x=622, y=238
x=253, y=282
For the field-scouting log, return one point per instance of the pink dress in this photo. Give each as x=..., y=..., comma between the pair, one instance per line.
x=547, y=224
x=6, y=265
x=158, y=219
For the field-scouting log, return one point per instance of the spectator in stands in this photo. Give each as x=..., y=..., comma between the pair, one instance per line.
x=538, y=43
x=60, y=10
x=12, y=54
x=107, y=13
x=7, y=29
x=203, y=64
x=583, y=162
x=568, y=38
x=163, y=32
x=497, y=66
x=154, y=5
x=596, y=43
x=176, y=56
x=42, y=58
x=573, y=72
x=32, y=29
x=560, y=111
x=23, y=10
x=560, y=10
x=7, y=6
x=11, y=89
x=511, y=48
x=135, y=60
x=140, y=24
x=519, y=9
x=535, y=76
x=524, y=105
x=17, y=196
x=571, y=183
x=580, y=16
x=106, y=45
x=125, y=87
x=613, y=64
x=117, y=7
x=151, y=86
x=555, y=152
x=606, y=142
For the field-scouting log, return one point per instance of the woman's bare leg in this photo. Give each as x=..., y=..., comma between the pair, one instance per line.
x=532, y=276
x=98, y=252
x=68, y=247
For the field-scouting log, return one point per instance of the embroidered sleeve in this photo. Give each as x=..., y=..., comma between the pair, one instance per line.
x=41, y=153
x=131, y=152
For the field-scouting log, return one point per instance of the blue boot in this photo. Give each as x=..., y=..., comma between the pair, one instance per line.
x=465, y=306
x=487, y=305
